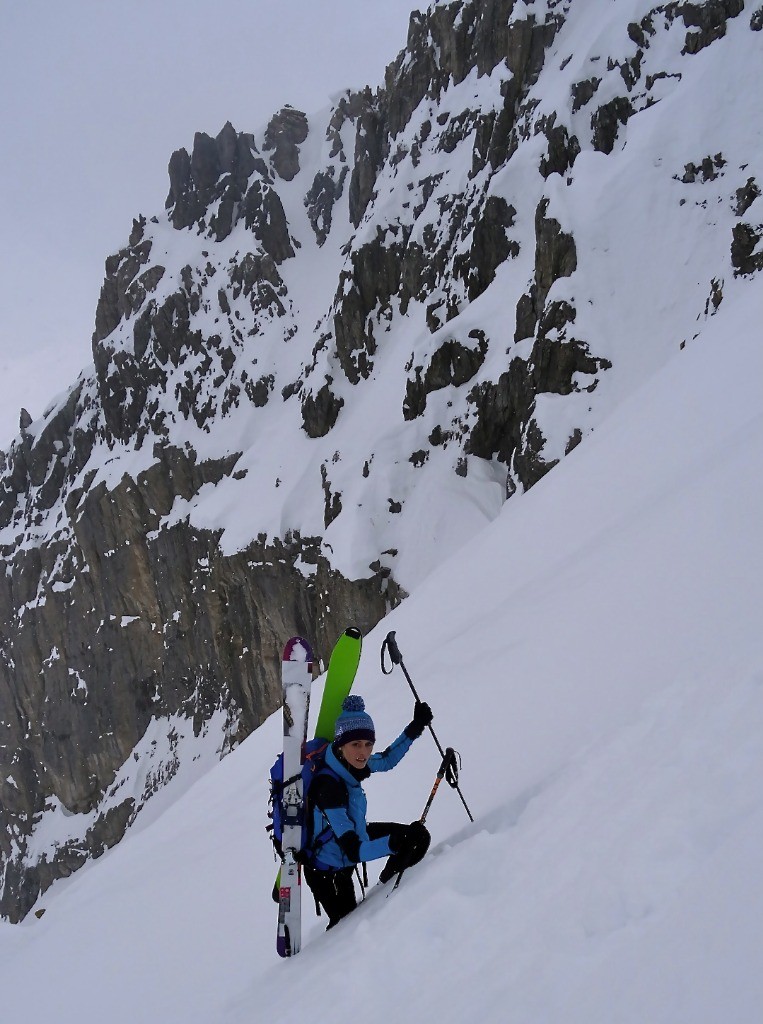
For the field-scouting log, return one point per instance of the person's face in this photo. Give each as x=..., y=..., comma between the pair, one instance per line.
x=357, y=752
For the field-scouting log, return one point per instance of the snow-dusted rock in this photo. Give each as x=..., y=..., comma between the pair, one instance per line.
x=327, y=362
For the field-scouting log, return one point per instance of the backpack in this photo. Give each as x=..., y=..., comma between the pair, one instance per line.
x=314, y=762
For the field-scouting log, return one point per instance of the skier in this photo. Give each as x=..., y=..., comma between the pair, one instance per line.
x=341, y=836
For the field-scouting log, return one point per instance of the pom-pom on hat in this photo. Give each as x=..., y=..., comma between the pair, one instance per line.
x=354, y=722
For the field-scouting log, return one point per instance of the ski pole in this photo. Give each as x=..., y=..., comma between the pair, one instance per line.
x=390, y=644
x=449, y=769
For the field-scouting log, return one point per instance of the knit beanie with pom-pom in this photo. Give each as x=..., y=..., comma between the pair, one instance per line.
x=354, y=722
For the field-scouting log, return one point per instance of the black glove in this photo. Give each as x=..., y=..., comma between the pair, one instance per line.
x=408, y=840
x=418, y=834
x=350, y=844
x=422, y=717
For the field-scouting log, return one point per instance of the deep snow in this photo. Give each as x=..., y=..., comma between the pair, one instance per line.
x=594, y=651
x=595, y=654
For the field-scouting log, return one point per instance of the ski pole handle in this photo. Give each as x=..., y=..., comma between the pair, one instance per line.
x=394, y=651
x=390, y=644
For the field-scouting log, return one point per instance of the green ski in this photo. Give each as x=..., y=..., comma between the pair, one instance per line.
x=340, y=676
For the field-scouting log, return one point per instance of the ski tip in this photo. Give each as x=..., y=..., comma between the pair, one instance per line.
x=353, y=633
x=297, y=649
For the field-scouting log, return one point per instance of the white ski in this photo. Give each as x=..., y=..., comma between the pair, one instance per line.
x=297, y=676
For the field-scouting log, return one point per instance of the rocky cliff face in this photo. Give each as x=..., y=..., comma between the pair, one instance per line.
x=394, y=309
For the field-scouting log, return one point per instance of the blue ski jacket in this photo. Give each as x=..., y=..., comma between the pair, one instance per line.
x=333, y=822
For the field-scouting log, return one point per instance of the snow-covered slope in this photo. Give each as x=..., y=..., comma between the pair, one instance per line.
x=323, y=368
x=596, y=656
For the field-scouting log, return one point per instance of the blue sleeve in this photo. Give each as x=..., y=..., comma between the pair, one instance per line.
x=395, y=752
x=373, y=849
x=339, y=820
x=341, y=823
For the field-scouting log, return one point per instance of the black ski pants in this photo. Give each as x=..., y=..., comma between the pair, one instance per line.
x=335, y=890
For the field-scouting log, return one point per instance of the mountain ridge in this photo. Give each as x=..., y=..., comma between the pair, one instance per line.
x=369, y=328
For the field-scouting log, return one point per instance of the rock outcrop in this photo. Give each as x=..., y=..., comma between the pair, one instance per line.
x=322, y=314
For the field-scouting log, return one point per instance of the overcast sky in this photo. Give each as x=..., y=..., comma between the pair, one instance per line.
x=94, y=97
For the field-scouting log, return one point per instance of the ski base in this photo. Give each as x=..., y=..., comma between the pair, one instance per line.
x=296, y=675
